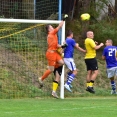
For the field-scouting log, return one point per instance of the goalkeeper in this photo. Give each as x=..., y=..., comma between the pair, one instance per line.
x=57, y=73
x=52, y=55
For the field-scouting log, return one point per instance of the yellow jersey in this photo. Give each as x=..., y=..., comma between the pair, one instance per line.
x=60, y=52
x=89, y=45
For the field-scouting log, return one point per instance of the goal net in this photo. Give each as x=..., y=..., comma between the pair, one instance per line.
x=29, y=9
x=22, y=58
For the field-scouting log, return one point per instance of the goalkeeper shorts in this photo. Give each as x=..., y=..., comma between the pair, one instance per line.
x=53, y=58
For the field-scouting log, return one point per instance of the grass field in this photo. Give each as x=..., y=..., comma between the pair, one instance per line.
x=68, y=107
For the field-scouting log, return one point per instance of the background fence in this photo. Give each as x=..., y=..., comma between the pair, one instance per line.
x=28, y=9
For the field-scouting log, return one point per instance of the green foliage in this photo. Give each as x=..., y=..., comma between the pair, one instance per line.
x=104, y=30
x=11, y=87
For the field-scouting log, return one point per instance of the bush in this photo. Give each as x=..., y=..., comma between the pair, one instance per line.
x=104, y=30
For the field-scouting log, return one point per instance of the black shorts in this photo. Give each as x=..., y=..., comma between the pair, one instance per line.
x=91, y=64
x=59, y=70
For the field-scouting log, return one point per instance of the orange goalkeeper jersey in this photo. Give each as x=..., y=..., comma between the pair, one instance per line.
x=52, y=40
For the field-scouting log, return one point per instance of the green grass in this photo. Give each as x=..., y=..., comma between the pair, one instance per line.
x=68, y=107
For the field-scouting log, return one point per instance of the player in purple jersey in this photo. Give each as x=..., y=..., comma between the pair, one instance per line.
x=68, y=58
x=109, y=54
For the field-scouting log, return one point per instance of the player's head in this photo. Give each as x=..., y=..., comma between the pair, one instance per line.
x=90, y=34
x=69, y=33
x=49, y=28
x=109, y=42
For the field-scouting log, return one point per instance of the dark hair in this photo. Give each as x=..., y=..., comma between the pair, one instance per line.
x=69, y=32
x=47, y=27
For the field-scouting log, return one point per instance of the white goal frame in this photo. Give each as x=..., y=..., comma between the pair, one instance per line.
x=44, y=22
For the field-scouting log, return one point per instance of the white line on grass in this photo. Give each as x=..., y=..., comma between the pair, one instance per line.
x=50, y=110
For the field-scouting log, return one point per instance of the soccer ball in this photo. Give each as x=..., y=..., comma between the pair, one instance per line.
x=85, y=17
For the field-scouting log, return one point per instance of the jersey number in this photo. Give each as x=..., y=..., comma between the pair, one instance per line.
x=111, y=50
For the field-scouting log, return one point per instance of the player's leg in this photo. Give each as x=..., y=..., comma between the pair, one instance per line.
x=59, y=60
x=47, y=72
x=57, y=70
x=113, y=85
x=45, y=75
x=89, y=72
x=93, y=77
x=91, y=83
x=57, y=73
x=69, y=72
x=51, y=58
x=94, y=67
x=92, y=72
x=72, y=67
x=110, y=74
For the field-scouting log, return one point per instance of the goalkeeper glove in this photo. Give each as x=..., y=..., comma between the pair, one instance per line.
x=64, y=46
x=65, y=17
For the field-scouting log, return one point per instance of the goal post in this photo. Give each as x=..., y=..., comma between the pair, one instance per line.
x=6, y=34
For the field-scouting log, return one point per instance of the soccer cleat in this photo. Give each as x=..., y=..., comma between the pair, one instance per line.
x=90, y=89
x=54, y=95
x=113, y=92
x=67, y=87
x=40, y=82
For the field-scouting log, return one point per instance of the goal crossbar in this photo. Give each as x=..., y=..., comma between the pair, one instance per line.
x=30, y=21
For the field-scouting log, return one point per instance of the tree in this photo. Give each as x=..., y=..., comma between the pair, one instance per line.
x=116, y=7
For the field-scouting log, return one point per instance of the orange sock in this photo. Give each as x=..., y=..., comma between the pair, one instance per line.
x=46, y=74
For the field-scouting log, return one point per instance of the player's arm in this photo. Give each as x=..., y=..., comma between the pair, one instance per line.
x=58, y=46
x=79, y=48
x=62, y=46
x=62, y=22
x=96, y=42
x=98, y=46
x=95, y=45
x=60, y=25
x=104, y=54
